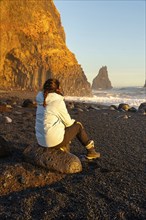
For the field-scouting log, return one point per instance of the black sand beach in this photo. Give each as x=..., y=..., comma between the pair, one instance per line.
x=114, y=187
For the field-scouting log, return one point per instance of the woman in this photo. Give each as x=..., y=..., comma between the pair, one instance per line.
x=54, y=126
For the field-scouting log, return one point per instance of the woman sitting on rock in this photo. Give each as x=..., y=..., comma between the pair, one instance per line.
x=54, y=126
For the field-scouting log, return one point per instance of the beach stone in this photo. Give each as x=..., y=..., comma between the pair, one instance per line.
x=9, y=101
x=4, y=149
x=123, y=107
x=28, y=103
x=79, y=109
x=53, y=159
x=93, y=107
x=125, y=117
x=21, y=179
x=132, y=109
x=8, y=119
x=113, y=107
x=70, y=105
x=142, y=107
x=4, y=108
x=18, y=113
x=9, y=106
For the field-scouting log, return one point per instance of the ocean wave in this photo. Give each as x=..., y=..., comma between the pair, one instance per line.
x=133, y=96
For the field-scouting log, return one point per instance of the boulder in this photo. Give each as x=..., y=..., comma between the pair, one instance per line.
x=142, y=107
x=123, y=107
x=101, y=81
x=28, y=103
x=53, y=159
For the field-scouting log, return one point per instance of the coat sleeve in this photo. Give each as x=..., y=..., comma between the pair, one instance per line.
x=64, y=115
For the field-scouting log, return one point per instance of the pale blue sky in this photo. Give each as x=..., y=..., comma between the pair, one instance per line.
x=107, y=32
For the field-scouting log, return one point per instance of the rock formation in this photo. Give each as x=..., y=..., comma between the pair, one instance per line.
x=33, y=48
x=145, y=84
x=101, y=81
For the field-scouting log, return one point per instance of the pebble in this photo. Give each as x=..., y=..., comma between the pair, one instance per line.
x=93, y=107
x=8, y=120
x=8, y=106
x=112, y=108
x=9, y=176
x=21, y=179
x=18, y=113
x=80, y=110
x=38, y=173
x=5, y=185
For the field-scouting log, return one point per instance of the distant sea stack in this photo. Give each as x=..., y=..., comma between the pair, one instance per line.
x=101, y=81
x=145, y=84
x=33, y=48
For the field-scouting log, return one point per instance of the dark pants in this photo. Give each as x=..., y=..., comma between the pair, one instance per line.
x=75, y=130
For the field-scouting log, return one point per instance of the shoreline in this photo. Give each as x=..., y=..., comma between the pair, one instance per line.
x=103, y=102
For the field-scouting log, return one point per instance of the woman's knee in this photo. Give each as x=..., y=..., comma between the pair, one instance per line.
x=79, y=123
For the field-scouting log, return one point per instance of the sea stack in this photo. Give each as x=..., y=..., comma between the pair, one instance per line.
x=33, y=49
x=101, y=81
x=145, y=84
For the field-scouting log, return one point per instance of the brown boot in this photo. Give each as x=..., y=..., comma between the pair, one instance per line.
x=91, y=153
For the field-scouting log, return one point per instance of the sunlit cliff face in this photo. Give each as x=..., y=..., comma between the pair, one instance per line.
x=33, y=48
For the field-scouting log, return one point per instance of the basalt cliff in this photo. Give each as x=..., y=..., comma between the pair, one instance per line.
x=33, y=48
x=101, y=81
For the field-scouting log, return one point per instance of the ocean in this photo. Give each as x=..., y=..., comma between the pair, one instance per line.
x=133, y=96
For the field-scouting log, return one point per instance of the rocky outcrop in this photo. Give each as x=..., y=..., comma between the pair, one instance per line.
x=145, y=84
x=33, y=48
x=101, y=81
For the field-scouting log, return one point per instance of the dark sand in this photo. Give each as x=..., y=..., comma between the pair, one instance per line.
x=114, y=187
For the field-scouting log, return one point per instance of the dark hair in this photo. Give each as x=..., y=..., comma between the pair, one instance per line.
x=51, y=85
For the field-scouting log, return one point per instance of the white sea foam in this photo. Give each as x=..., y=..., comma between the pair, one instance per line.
x=133, y=96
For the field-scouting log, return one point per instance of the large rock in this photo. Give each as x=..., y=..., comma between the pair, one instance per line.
x=123, y=107
x=28, y=103
x=142, y=107
x=101, y=81
x=53, y=159
x=145, y=84
x=33, y=48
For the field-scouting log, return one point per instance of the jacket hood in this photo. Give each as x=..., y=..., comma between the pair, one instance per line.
x=51, y=97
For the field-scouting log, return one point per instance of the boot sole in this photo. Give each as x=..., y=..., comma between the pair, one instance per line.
x=90, y=157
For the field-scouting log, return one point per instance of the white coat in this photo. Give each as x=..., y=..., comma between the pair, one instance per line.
x=51, y=120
